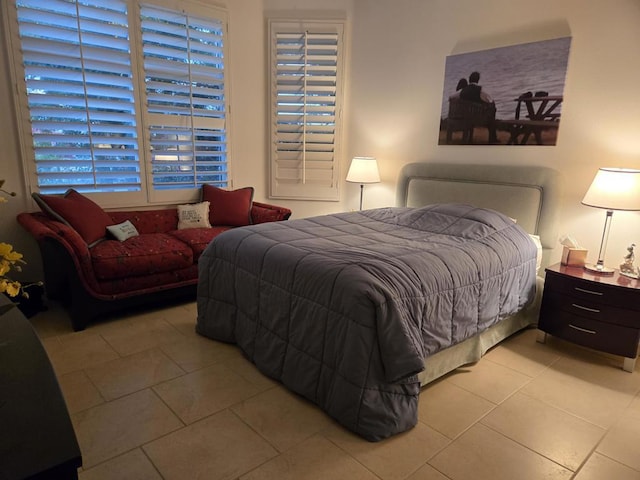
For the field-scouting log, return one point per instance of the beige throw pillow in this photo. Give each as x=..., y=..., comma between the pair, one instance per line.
x=194, y=215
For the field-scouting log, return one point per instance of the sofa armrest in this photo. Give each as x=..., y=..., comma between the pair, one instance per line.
x=264, y=212
x=46, y=231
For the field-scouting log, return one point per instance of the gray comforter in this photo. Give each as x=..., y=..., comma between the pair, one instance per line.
x=343, y=309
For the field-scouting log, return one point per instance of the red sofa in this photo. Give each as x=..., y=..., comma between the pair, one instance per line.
x=157, y=265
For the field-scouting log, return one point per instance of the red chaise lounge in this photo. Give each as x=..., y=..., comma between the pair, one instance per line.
x=94, y=273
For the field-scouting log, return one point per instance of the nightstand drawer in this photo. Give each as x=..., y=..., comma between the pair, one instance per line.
x=587, y=307
x=593, y=291
x=601, y=336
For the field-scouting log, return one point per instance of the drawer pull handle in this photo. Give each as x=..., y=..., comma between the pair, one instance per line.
x=594, y=310
x=588, y=291
x=580, y=329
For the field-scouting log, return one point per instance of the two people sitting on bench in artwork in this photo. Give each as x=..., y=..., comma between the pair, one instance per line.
x=471, y=91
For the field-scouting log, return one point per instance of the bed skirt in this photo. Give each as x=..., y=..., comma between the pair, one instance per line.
x=472, y=349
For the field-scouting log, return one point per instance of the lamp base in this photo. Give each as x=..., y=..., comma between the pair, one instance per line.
x=599, y=269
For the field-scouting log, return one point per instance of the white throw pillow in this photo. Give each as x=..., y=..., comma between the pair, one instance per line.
x=123, y=230
x=194, y=215
x=536, y=240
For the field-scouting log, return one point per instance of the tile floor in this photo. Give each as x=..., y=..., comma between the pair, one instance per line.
x=150, y=399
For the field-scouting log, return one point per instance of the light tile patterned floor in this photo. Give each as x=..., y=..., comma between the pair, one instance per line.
x=150, y=399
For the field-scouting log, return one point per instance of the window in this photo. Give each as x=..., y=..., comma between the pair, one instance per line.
x=184, y=79
x=122, y=98
x=306, y=87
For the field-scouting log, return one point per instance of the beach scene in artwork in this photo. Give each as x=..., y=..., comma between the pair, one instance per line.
x=525, y=82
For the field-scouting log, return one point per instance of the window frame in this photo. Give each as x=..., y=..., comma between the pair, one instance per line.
x=146, y=195
x=313, y=24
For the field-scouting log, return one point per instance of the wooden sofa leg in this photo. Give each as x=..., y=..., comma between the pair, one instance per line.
x=78, y=325
x=78, y=319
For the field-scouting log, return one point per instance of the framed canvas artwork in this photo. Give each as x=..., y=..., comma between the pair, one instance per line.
x=505, y=96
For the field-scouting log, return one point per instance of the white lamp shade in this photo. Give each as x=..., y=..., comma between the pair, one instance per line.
x=363, y=170
x=614, y=189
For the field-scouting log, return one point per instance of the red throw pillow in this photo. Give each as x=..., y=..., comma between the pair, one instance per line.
x=228, y=207
x=79, y=212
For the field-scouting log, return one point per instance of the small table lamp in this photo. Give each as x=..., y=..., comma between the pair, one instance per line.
x=612, y=189
x=363, y=170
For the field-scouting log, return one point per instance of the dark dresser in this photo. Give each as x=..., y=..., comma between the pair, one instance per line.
x=37, y=440
x=597, y=311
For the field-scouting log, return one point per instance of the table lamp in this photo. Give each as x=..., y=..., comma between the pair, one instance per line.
x=363, y=170
x=612, y=189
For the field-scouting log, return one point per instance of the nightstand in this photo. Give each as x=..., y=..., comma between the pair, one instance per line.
x=597, y=311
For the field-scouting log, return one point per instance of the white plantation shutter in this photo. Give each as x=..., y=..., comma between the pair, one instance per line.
x=306, y=98
x=121, y=97
x=185, y=92
x=80, y=94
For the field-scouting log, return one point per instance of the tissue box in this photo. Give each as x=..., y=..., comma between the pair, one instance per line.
x=573, y=257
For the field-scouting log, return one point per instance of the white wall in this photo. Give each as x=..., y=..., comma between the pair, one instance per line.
x=397, y=68
x=396, y=57
x=11, y=169
x=250, y=94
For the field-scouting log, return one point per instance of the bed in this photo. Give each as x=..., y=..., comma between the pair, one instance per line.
x=356, y=311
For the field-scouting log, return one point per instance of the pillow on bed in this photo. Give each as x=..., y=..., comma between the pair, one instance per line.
x=77, y=211
x=228, y=207
x=195, y=215
x=536, y=240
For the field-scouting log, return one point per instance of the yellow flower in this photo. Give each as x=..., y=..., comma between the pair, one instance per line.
x=8, y=260
x=7, y=252
x=12, y=288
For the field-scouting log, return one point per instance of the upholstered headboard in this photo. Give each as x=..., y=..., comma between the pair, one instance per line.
x=529, y=194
